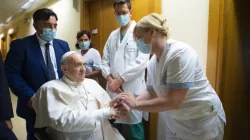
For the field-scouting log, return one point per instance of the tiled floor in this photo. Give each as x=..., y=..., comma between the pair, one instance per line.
x=18, y=123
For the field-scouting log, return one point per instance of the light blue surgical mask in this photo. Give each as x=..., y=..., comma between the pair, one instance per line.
x=123, y=19
x=48, y=34
x=144, y=48
x=84, y=45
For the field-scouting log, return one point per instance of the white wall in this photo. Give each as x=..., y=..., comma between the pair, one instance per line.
x=68, y=22
x=188, y=21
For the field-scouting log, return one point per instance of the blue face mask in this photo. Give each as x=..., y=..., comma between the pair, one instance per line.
x=48, y=34
x=123, y=19
x=84, y=45
x=144, y=48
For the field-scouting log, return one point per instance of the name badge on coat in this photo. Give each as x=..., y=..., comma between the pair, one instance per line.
x=130, y=49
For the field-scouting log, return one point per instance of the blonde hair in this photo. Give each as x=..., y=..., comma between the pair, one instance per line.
x=153, y=21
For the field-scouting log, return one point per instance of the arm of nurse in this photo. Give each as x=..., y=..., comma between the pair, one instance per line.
x=180, y=77
x=146, y=95
x=172, y=101
x=149, y=102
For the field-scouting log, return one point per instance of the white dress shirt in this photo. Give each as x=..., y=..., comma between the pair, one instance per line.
x=51, y=52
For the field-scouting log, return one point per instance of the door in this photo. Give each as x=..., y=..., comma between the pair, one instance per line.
x=229, y=63
x=4, y=48
x=13, y=37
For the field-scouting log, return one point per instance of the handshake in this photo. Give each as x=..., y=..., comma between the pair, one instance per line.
x=122, y=105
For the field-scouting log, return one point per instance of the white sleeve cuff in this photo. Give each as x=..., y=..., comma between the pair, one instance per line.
x=102, y=114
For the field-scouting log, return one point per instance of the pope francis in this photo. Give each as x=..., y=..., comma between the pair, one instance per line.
x=75, y=108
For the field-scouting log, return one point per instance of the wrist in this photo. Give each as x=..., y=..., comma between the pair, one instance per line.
x=111, y=103
x=121, y=80
x=101, y=114
x=107, y=112
x=136, y=106
x=109, y=77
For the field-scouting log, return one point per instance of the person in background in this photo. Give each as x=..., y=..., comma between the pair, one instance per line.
x=124, y=67
x=91, y=56
x=6, y=111
x=177, y=87
x=33, y=61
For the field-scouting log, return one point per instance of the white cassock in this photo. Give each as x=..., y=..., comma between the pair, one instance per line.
x=201, y=116
x=74, y=111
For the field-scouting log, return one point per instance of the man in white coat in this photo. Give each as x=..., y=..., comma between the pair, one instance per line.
x=75, y=108
x=123, y=66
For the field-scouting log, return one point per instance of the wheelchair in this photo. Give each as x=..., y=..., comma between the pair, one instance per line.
x=40, y=134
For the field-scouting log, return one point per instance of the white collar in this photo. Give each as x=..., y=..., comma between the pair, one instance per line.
x=170, y=40
x=69, y=82
x=41, y=41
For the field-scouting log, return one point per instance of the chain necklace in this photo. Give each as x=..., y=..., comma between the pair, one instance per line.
x=86, y=93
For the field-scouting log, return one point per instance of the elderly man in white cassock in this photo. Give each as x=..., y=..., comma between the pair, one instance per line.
x=75, y=108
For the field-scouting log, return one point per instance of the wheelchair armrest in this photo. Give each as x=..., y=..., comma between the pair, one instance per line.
x=40, y=134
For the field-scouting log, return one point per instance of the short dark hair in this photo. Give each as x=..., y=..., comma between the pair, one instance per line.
x=80, y=34
x=43, y=14
x=120, y=2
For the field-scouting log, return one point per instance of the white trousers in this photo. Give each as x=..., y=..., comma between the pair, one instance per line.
x=172, y=136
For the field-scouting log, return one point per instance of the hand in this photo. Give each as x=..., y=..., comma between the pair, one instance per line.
x=121, y=109
x=118, y=103
x=115, y=85
x=113, y=113
x=116, y=113
x=30, y=103
x=112, y=103
x=118, y=91
x=121, y=106
x=109, y=79
x=9, y=124
x=128, y=98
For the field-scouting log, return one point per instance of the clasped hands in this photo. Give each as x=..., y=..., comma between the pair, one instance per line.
x=115, y=84
x=122, y=105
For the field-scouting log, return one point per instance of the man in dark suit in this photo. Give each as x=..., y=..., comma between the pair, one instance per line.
x=6, y=112
x=33, y=61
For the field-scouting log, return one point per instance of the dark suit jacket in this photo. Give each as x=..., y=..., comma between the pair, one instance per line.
x=6, y=111
x=26, y=70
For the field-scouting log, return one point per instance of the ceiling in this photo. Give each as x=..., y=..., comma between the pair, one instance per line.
x=12, y=8
x=9, y=7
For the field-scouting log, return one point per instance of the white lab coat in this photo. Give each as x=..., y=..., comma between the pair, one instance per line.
x=124, y=59
x=201, y=116
x=62, y=111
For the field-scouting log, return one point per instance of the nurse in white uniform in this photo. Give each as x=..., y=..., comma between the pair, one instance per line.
x=177, y=87
x=91, y=56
